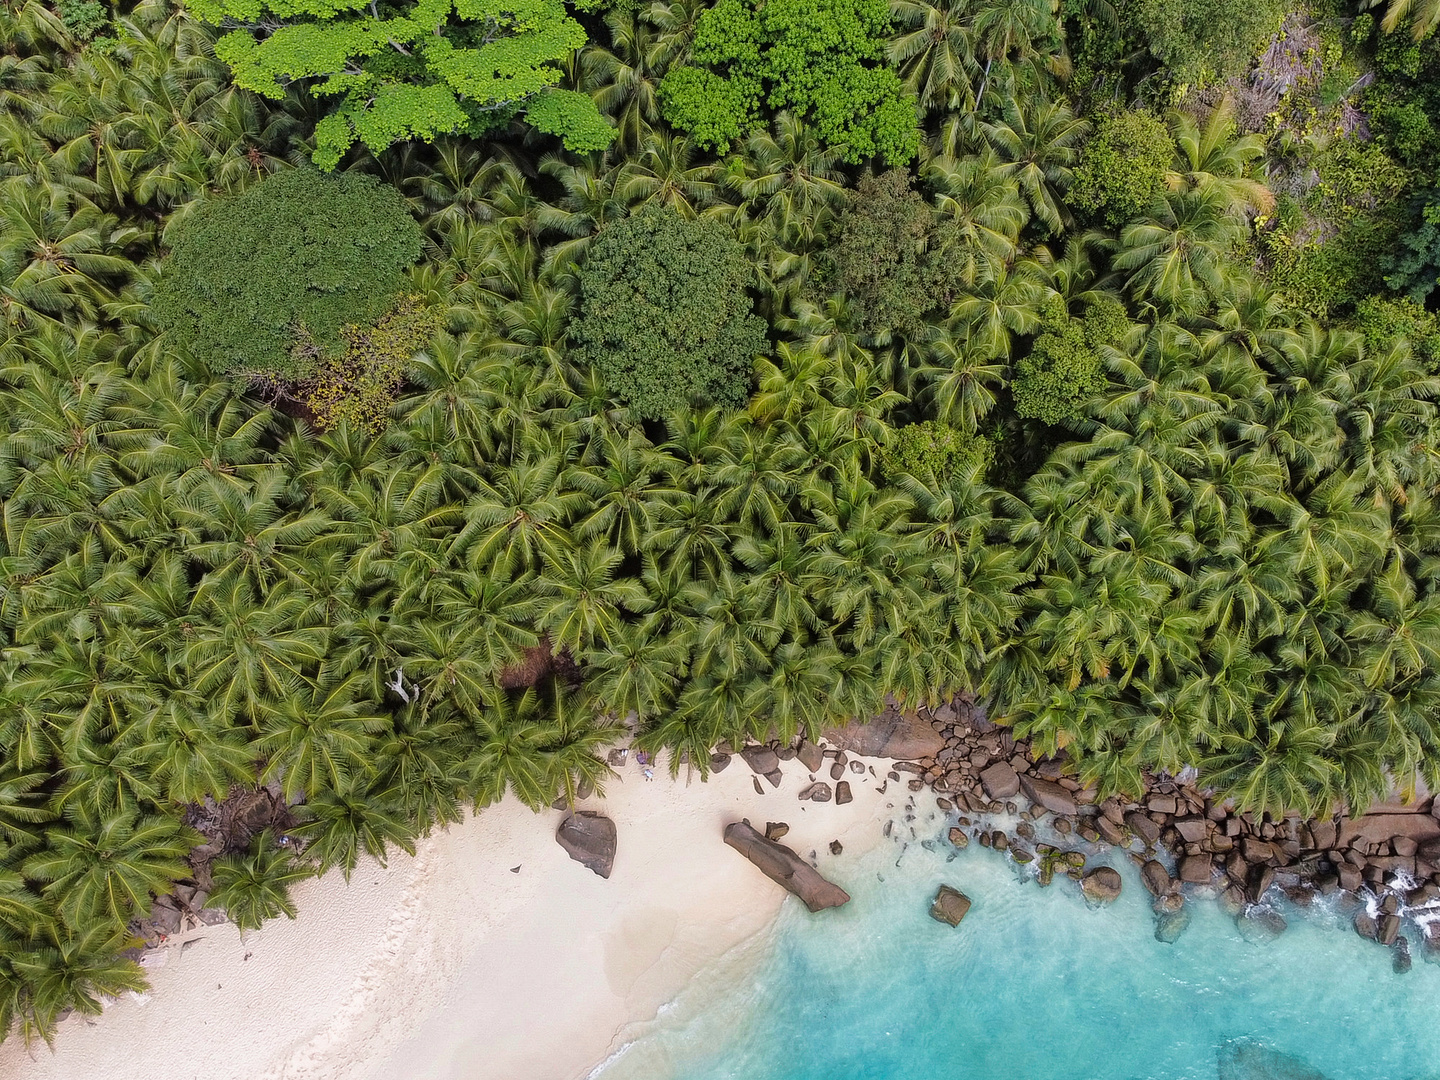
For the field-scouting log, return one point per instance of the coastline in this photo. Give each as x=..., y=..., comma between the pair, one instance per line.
x=410, y=969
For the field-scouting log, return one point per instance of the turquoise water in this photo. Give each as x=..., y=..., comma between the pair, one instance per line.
x=1036, y=985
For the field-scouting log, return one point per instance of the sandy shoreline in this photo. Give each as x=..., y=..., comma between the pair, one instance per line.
x=448, y=965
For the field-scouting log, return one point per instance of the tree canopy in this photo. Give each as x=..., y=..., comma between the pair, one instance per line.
x=823, y=59
x=665, y=315
x=416, y=70
x=300, y=253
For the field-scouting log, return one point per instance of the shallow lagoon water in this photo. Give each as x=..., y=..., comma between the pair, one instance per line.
x=1036, y=985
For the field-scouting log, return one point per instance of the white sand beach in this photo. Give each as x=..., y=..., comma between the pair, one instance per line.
x=450, y=965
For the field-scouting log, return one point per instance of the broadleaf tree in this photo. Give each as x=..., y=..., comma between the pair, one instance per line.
x=823, y=59
x=413, y=69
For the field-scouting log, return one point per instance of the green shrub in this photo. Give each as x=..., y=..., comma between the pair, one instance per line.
x=410, y=69
x=84, y=18
x=932, y=449
x=1384, y=321
x=358, y=386
x=1415, y=268
x=1200, y=42
x=665, y=316
x=1122, y=168
x=256, y=886
x=889, y=257
x=823, y=59
x=1065, y=368
x=292, y=259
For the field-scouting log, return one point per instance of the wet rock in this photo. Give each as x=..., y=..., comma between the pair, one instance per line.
x=761, y=759
x=1101, y=885
x=1389, y=929
x=1021, y=855
x=1048, y=794
x=1000, y=781
x=782, y=866
x=1155, y=878
x=1168, y=904
x=589, y=839
x=1141, y=825
x=1232, y=900
x=958, y=838
x=1109, y=831
x=950, y=906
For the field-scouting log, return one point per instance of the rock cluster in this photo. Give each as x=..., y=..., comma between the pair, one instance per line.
x=1390, y=855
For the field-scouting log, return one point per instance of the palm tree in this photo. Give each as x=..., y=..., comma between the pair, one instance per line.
x=1038, y=145
x=1178, y=255
x=108, y=868
x=256, y=886
x=935, y=52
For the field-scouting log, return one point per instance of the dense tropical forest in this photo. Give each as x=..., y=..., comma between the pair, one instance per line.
x=403, y=400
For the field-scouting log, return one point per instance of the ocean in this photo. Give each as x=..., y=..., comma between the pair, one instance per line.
x=1036, y=985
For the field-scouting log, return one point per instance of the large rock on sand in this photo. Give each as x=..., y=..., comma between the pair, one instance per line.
x=950, y=906
x=892, y=734
x=589, y=839
x=785, y=868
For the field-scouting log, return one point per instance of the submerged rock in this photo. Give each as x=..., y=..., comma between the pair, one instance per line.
x=1400, y=962
x=1250, y=1061
x=589, y=839
x=1101, y=885
x=1261, y=924
x=782, y=866
x=1170, y=925
x=949, y=906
